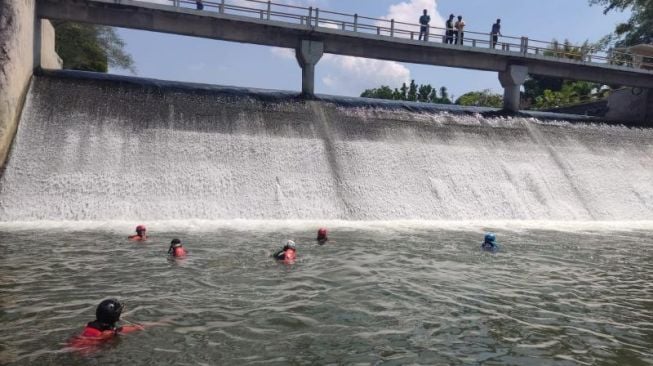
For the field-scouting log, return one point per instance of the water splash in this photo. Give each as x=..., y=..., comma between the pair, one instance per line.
x=106, y=150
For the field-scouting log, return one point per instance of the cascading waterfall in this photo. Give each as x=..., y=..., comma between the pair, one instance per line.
x=128, y=149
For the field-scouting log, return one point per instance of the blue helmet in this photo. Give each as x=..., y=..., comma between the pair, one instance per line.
x=490, y=237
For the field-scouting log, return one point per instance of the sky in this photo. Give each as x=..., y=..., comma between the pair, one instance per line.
x=181, y=58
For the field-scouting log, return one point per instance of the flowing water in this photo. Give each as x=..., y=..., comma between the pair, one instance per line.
x=380, y=296
x=407, y=191
x=114, y=149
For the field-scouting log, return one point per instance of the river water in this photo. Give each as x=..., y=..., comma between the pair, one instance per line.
x=377, y=294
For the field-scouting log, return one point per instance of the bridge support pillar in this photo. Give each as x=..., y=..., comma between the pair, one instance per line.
x=308, y=54
x=511, y=81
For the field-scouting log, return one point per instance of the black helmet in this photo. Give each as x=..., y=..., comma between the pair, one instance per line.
x=175, y=243
x=108, y=311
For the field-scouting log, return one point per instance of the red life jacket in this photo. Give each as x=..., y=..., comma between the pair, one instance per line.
x=179, y=252
x=91, y=337
x=289, y=256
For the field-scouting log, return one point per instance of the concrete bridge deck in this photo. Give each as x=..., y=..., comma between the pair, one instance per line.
x=311, y=41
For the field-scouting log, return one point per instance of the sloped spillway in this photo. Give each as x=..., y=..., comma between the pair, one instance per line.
x=115, y=148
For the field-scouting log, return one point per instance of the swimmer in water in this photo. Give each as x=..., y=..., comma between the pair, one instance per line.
x=490, y=243
x=141, y=234
x=103, y=328
x=176, y=249
x=288, y=254
x=322, y=236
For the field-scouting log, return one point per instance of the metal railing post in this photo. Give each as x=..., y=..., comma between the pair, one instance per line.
x=412, y=36
x=261, y=14
x=221, y=7
x=473, y=43
x=269, y=9
x=309, y=20
x=344, y=26
x=378, y=31
x=317, y=17
x=392, y=27
x=355, y=22
x=524, y=45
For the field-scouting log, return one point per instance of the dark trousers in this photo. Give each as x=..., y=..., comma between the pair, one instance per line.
x=423, y=32
x=200, y=6
x=495, y=39
x=448, y=38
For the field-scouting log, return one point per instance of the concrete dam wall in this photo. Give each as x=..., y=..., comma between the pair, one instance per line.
x=111, y=148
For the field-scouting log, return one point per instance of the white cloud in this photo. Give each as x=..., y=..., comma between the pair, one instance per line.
x=410, y=11
x=283, y=53
x=352, y=75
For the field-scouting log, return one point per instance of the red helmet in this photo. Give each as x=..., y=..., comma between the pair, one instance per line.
x=140, y=228
x=322, y=233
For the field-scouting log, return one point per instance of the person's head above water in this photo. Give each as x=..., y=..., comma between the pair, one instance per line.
x=490, y=237
x=425, y=12
x=140, y=229
x=108, y=312
x=322, y=233
x=290, y=245
x=175, y=243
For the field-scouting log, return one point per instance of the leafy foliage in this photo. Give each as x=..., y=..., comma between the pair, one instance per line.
x=91, y=47
x=424, y=93
x=639, y=28
x=484, y=98
x=571, y=92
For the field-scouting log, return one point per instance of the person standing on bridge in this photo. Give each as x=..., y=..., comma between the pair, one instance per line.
x=424, y=21
x=496, y=32
x=460, y=30
x=448, y=36
x=200, y=5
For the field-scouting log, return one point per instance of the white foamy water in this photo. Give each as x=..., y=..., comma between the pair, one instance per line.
x=90, y=150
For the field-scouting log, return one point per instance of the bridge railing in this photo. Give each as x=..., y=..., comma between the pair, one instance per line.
x=315, y=17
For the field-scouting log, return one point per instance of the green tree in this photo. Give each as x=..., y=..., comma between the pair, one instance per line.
x=571, y=93
x=404, y=92
x=91, y=47
x=444, y=96
x=383, y=92
x=424, y=92
x=484, y=98
x=412, y=91
x=639, y=28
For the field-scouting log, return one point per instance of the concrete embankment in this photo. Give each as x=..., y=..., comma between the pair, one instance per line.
x=18, y=42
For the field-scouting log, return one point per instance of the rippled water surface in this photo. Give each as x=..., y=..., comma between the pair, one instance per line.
x=381, y=297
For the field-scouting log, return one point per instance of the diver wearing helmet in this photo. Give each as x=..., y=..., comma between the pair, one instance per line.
x=104, y=327
x=322, y=236
x=490, y=243
x=141, y=234
x=288, y=254
x=176, y=249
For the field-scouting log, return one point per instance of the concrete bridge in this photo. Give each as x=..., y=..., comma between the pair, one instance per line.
x=313, y=32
